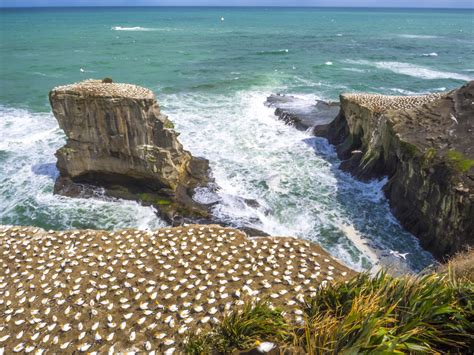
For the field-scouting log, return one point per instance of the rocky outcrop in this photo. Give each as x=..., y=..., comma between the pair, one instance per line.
x=301, y=112
x=118, y=139
x=424, y=144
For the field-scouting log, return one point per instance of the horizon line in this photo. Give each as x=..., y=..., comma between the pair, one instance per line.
x=237, y=6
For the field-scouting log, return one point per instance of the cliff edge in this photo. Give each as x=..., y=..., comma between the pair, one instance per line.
x=118, y=139
x=425, y=146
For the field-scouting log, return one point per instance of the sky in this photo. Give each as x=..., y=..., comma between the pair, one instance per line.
x=345, y=3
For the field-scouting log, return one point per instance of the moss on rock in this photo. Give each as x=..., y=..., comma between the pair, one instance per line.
x=459, y=161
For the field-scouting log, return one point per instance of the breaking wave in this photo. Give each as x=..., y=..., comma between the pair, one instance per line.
x=142, y=29
x=412, y=36
x=293, y=176
x=412, y=70
x=28, y=142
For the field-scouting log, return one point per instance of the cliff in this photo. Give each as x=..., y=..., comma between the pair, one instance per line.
x=118, y=139
x=424, y=144
x=142, y=291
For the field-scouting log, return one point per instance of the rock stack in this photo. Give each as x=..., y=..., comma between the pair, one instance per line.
x=118, y=139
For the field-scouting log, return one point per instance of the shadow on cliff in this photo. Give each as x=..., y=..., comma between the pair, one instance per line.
x=358, y=210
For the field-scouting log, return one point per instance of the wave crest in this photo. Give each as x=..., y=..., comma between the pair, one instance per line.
x=274, y=52
x=418, y=36
x=137, y=28
x=411, y=70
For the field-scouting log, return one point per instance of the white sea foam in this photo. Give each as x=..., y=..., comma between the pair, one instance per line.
x=277, y=51
x=293, y=176
x=411, y=70
x=432, y=54
x=27, y=145
x=120, y=28
x=142, y=29
x=355, y=70
x=413, y=36
x=404, y=92
x=306, y=81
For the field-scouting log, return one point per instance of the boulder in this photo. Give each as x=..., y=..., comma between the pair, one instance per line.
x=302, y=113
x=118, y=139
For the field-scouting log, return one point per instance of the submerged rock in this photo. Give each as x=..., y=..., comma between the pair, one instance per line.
x=302, y=113
x=118, y=139
x=425, y=146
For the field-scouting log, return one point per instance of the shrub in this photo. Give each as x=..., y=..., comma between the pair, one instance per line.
x=459, y=161
x=242, y=328
x=461, y=266
x=384, y=314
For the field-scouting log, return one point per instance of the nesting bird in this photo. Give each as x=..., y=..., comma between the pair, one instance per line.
x=98, y=291
x=381, y=103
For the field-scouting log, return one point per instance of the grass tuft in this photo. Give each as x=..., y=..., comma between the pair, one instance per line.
x=242, y=328
x=459, y=161
x=384, y=314
x=461, y=266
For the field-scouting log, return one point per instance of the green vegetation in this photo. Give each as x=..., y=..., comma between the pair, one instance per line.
x=428, y=157
x=459, y=161
x=150, y=198
x=461, y=266
x=390, y=315
x=408, y=148
x=168, y=124
x=381, y=314
x=242, y=328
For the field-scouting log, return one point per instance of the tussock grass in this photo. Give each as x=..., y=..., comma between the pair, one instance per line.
x=241, y=329
x=461, y=266
x=368, y=314
x=432, y=313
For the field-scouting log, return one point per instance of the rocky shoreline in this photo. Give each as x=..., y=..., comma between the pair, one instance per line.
x=151, y=291
x=132, y=290
x=121, y=145
x=424, y=145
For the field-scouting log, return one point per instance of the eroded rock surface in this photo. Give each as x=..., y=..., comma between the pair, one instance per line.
x=425, y=146
x=118, y=139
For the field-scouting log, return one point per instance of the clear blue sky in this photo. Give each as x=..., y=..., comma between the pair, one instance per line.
x=348, y=3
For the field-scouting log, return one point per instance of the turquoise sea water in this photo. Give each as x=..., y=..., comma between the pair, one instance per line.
x=212, y=77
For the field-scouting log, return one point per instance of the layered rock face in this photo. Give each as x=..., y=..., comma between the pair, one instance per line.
x=425, y=146
x=118, y=139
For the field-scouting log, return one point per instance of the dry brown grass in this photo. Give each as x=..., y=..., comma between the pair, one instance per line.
x=461, y=265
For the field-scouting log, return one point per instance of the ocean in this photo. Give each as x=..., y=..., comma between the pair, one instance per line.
x=212, y=69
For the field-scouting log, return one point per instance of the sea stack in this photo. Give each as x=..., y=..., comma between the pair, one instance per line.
x=424, y=144
x=118, y=139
